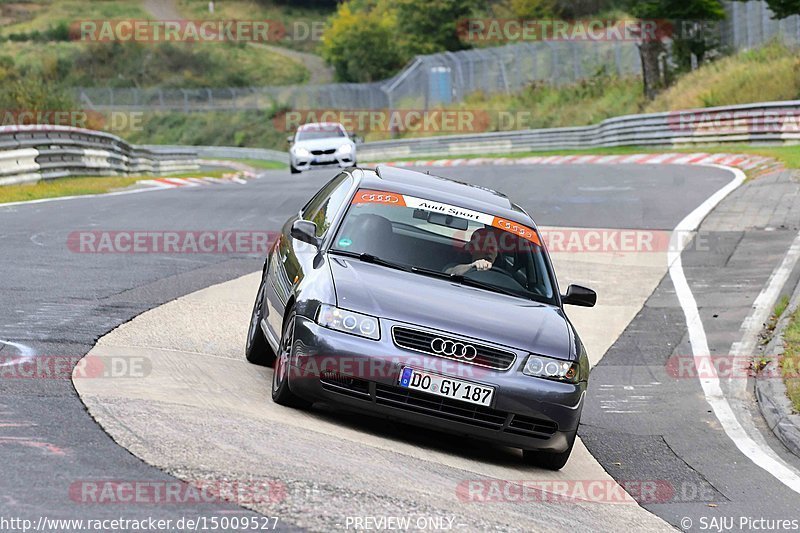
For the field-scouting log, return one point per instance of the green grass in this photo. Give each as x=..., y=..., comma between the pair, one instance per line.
x=42, y=14
x=291, y=17
x=77, y=186
x=116, y=64
x=764, y=74
x=772, y=322
x=163, y=65
x=781, y=306
x=544, y=106
x=80, y=186
x=240, y=128
x=790, y=364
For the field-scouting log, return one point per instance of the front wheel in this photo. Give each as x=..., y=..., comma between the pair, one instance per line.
x=258, y=351
x=293, y=170
x=549, y=460
x=281, y=393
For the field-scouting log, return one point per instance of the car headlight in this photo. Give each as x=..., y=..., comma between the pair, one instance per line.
x=345, y=149
x=549, y=368
x=301, y=152
x=332, y=317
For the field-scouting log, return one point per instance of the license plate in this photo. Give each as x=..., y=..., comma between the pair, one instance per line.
x=456, y=389
x=324, y=159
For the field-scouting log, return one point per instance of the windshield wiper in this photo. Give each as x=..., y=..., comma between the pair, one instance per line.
x=488, y=286
x=369, y=258
x=464, y=281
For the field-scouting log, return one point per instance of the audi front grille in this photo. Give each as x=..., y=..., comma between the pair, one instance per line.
x=457, y=349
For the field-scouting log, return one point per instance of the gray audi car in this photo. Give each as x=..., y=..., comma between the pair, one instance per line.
x=426, y=300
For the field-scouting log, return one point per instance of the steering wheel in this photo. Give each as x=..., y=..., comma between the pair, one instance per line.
x=502, y=271
x=478, y=274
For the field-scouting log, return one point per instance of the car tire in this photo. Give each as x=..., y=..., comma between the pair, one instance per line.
x=281, y=393
x=549, y=460
x=257, y=350
x=294, y=170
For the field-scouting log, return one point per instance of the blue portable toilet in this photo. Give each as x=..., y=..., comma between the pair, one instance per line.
x=440, y=86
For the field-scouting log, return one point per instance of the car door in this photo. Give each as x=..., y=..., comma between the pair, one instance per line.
x=292, y=258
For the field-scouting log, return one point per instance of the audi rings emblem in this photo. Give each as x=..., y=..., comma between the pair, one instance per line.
x=384, y=198
x=455, y=349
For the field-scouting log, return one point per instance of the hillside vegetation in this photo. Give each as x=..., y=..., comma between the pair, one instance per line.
x=37, y=38
x=737, y=79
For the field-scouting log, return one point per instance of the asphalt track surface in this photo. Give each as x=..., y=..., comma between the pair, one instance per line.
x=57, y=302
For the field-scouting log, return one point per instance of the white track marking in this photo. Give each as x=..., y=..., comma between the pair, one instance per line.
x=745, y=349
x=762, y=307
x=697, y=337
x=26, y=352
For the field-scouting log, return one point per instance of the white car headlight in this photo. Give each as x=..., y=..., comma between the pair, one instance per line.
x=301, y=152
x=549, y=368
x=345, y=149
x=332, y=317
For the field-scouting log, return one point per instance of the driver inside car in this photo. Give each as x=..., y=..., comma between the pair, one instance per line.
x=483, y=248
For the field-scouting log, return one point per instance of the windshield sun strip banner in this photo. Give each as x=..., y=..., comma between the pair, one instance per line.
x=390, y=198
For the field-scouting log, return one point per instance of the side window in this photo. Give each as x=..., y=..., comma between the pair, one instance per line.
x=324, y=206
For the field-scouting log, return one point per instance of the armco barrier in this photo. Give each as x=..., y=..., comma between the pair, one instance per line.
x=761, y=123
x=33, y=153
x=229, y=152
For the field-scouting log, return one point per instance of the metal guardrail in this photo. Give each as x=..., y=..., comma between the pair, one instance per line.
x=761, y=123
x=228, y=152
x=33, y=153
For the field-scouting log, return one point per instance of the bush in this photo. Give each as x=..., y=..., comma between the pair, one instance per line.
x=369, y=40
x=360, y=45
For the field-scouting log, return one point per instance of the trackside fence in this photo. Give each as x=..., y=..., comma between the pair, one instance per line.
x=761, y=123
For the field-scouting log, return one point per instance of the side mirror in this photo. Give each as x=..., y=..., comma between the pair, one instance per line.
x=577, y=295
x=358, y=140
x=290, y=139
x=305, y=231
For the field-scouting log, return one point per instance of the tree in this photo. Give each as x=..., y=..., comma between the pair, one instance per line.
x=368, y=40
x=674, y=12
x=360, y=44
x=534, y=9
x=784, y=8
x=430, y=26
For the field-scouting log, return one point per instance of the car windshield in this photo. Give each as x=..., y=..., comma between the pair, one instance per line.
x=321, y=132
x=447, y=241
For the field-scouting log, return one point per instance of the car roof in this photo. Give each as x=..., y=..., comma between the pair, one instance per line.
x=445, y=190
x=319, y=125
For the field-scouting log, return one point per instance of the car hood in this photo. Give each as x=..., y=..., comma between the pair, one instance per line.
x=323, y=144
x=444, y=305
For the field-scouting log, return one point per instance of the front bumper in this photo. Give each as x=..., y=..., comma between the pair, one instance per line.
x=323, y=161
x=362, y=375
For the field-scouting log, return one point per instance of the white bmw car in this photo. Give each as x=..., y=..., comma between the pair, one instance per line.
x=321, y=144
